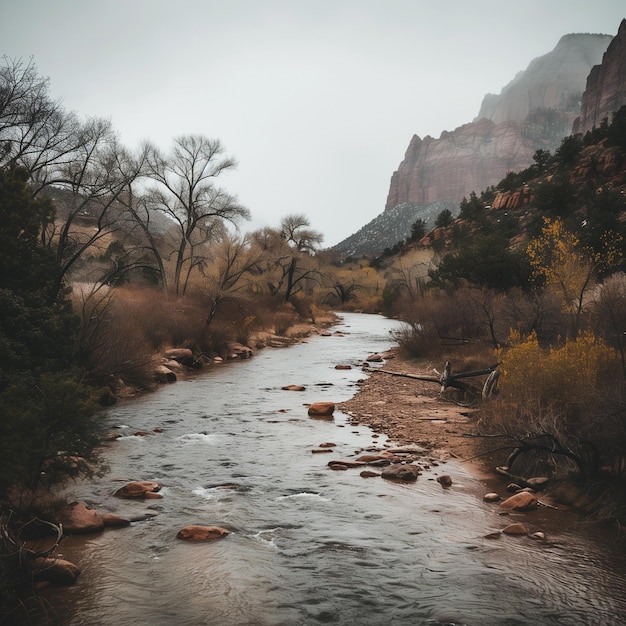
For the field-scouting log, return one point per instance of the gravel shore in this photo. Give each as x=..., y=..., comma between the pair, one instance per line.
x=410, y=411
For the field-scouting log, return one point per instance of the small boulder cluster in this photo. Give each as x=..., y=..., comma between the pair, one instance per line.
x=78, y=518
x=175, y=361
x=524, y=499
x=402, y=464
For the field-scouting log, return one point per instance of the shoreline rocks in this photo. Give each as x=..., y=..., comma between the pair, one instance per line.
x=78, y=518
x=521, y=501
x=55, y=571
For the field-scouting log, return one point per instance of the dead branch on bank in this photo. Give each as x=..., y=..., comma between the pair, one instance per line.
x=448, y=379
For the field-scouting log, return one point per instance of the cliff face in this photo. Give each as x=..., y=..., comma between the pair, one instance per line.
x=467, y=159
x=553, y=81
x=534, y=111
x=605, y=92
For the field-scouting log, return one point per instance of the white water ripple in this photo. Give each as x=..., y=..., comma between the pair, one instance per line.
x=198, y=438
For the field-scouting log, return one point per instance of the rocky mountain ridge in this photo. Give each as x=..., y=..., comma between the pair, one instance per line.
x=605, y=91
x=542, y=104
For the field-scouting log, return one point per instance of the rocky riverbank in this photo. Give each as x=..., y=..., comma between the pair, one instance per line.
x=178, y=363
x=411, y=411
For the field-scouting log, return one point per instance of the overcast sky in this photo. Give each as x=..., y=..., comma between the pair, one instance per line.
x=317, y=100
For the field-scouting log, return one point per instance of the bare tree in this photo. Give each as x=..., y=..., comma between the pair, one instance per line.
x=95, y=181
x=184, y=190
x=81, y=165
x=35, y=131
x=610, y=311
x=232, y=258
x=302, y=244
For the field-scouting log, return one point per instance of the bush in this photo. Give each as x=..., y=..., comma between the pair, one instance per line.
x=438, y=327
x=50, y=430
x=565, y=403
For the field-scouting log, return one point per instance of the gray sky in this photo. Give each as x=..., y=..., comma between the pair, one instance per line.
x=316, y=99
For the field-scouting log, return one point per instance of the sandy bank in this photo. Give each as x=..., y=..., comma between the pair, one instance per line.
x=410, y=411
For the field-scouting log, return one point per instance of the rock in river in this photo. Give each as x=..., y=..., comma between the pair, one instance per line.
x=400, y=471
x=56, y=571
x=138, y=489
x=293, y=388
x=515, y=529
x=322, y=409
x=197, y=532
x=80, y=518
x=522, y=501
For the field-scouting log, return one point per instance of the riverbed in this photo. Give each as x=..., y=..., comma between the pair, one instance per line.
x=309, y=545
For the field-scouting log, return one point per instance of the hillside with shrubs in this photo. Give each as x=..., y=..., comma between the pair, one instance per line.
x=531, y=275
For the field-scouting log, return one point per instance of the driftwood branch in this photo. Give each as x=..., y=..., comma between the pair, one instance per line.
x=429, y=379
x=448, y=379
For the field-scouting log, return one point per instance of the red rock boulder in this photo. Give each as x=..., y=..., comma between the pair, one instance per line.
x=138, y=489
x=293, y=388
x=111, y=520
x=79, y=518
x=399, y=471
x=201, y=533
x=515, y=529
x=322, y=409
x=522, y=501
x=56, y=571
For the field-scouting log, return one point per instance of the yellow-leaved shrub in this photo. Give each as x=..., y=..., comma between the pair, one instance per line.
x=564, y=378
x=560, y=405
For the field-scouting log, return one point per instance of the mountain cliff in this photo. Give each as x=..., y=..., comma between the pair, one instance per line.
x=534, y=111
x=553, y=81
x=605, y=91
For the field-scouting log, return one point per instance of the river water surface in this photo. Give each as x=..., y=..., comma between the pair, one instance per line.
x=309, y=545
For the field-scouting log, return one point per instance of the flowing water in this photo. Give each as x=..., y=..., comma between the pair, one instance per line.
x=309, y=545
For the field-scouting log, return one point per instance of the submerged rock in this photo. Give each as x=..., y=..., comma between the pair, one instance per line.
x=368, y=474
x=56, y=571
x=111, y=520
x=399, y=471
x=346, y=463
x=515, y=529
x=445, y=480
x=495, y=535
x=201, y=533
x=373, y=458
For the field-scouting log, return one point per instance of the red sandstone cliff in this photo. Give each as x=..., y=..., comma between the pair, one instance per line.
x=606, y=86
x=535, y=111
x=470, y=158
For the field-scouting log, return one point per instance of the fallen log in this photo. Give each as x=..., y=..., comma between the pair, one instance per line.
x=448, y=379
x=430, y=379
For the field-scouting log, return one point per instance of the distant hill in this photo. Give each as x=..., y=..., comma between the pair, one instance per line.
x=390, y=227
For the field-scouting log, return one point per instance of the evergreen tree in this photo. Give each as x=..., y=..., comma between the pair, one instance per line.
x=44, y=410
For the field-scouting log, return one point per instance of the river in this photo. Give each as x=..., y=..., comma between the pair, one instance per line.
x=309, y=545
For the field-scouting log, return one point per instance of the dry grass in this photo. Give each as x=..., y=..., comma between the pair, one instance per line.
x=126, y=328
